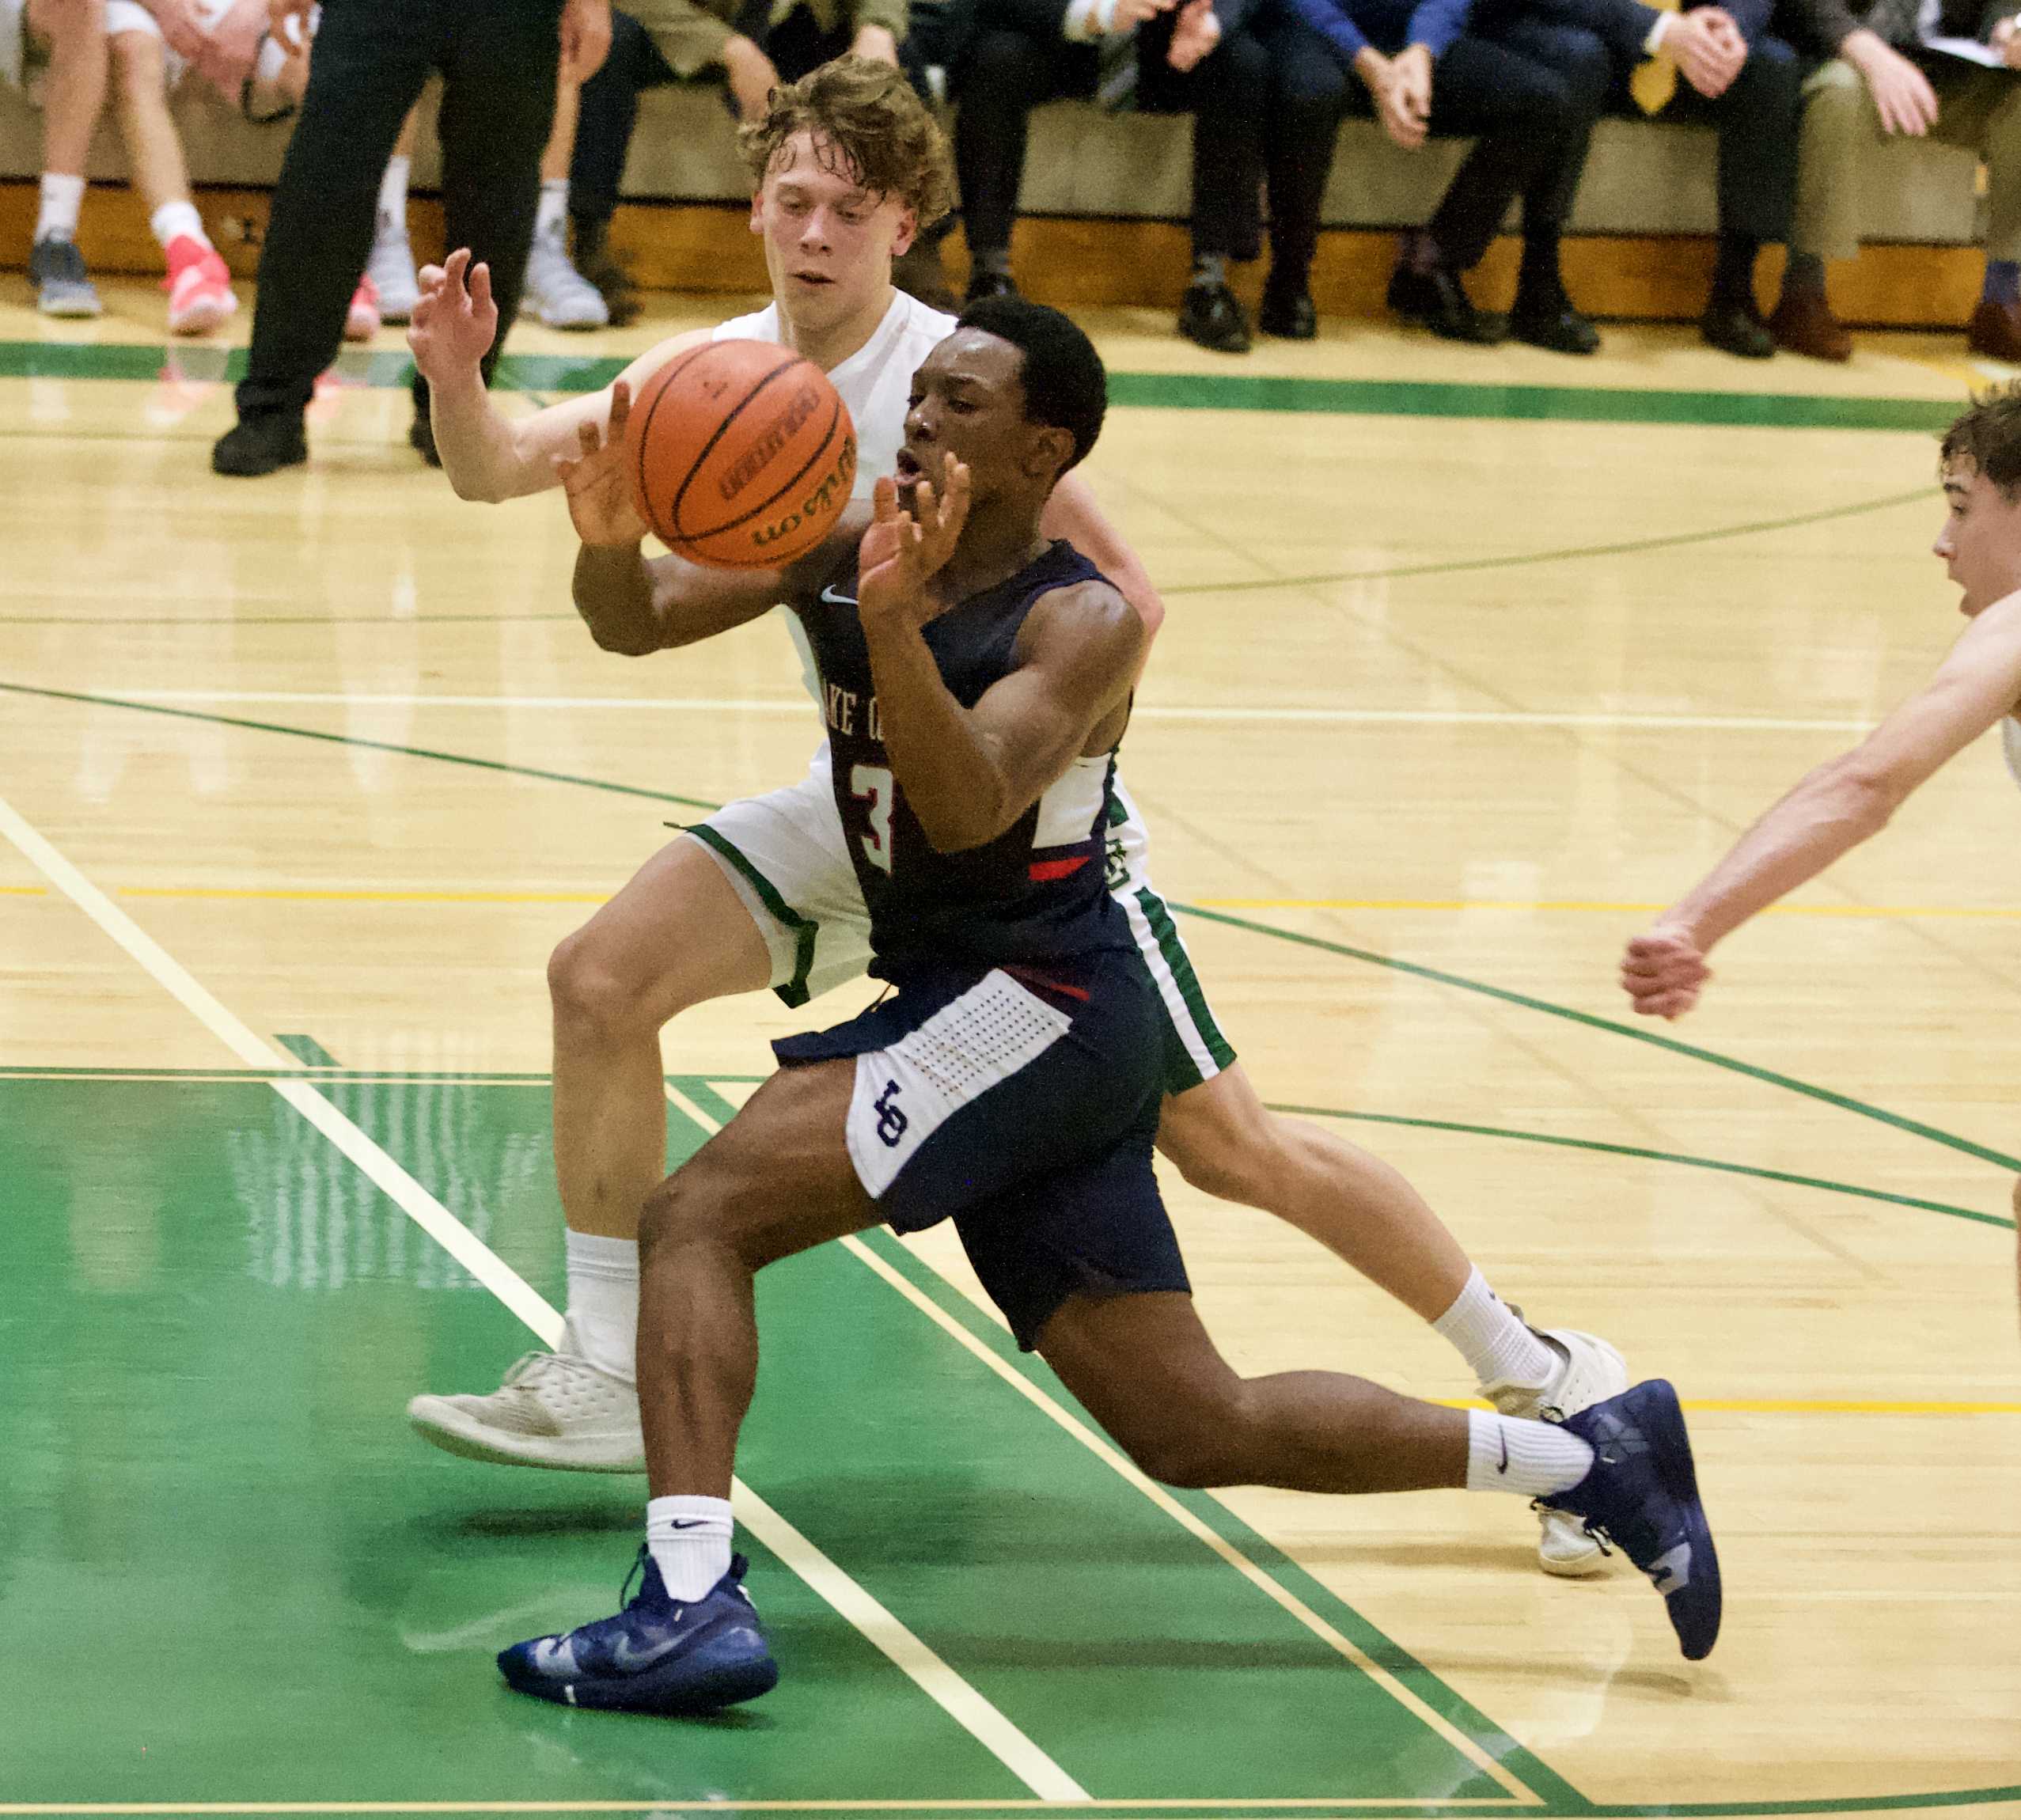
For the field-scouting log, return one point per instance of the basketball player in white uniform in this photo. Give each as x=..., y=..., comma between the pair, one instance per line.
x=1848, y=798
x=848, y=165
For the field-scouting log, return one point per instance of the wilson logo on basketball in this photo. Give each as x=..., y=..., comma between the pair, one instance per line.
x=775, y=436
x=821, y=503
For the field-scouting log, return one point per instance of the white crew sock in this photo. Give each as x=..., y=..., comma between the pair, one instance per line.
x=603, y=1301
x=1492, y=1340
x=178, y=220
x=61, y=199
x=1532, y=1459
x=690, y=1540
x=553, y=211
x=392, y=200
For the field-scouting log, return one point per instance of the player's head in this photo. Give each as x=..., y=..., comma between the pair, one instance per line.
x=1980, y=466
x=848, y=166
x=1017, y=392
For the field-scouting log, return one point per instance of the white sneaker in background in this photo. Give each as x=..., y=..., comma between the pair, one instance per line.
x=556, y=292
x=391, y=270
x=1589, y=1372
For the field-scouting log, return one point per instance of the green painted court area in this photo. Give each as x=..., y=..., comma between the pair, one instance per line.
x=230, y=1573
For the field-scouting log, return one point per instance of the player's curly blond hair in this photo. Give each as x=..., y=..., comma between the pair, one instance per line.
x=1989, y=436
x=867, y=115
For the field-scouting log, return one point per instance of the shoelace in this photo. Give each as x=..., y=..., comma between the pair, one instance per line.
x=1592, y=1529
x=530, y=1368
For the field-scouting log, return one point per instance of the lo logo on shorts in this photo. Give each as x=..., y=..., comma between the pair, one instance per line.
x=891, y=1121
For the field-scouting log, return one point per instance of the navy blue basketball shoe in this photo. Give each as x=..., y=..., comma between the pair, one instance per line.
x=1642, y=1495
x=656, y=1655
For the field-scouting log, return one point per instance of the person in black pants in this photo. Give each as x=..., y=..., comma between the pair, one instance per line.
x=1715, y=65
x=372, y=57
x=1420, y=70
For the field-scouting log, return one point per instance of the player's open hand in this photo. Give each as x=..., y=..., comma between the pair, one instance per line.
x=902, y=550
x=599, y=489
x=455, y=321
x=1663, y=972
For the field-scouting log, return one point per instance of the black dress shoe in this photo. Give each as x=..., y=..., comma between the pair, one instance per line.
x=1288, y=315
x=984, y=282
x=421, y=436
x=1436, y=300
x=1551, y=323
x=1737, y=328
x=259, y=444
x=1210, y=314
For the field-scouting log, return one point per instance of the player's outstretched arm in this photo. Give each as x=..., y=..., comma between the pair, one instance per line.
x=1844, y=802
x=633, y=605
x=1071, y=512
x=969, y=773
x=487, y=455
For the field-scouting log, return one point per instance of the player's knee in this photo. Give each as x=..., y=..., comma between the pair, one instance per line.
x=684, y=1211
x=589, y=993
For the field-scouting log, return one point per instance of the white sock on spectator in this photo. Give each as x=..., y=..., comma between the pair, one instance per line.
x=554, y=207
x=392, y=196
x=61, y=199
x=178, y=220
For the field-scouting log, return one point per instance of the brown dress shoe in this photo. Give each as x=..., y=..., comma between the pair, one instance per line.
x=1803, y=323
x=1995, y=330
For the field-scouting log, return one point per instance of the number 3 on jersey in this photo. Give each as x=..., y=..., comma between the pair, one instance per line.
x=871, y=785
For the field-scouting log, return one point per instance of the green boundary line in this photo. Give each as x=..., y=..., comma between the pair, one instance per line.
x=570, y=373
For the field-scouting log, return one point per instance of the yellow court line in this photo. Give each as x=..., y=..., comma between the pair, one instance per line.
x=361, y=896
x=1876, y=910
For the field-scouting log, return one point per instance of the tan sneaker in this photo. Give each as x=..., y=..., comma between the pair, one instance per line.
x=1590, y=1371
x=554, y=1409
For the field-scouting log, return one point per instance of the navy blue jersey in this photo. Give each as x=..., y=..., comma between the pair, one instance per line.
x=1036, y=893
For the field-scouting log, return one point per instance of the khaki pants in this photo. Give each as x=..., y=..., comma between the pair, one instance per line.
x=1978, y=109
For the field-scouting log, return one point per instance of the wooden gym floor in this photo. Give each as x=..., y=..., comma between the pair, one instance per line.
x=1474, y=658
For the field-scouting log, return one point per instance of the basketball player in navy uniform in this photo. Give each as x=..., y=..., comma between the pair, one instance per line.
x=847, y=166
x=977, y=680
x=1850, y=798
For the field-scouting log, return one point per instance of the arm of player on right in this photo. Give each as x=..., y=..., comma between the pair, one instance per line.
x=487, y=455
x=1846, y=800
x=1071, y=512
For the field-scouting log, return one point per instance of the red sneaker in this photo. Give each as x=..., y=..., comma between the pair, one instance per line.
x=361, y=321
x=199, y=288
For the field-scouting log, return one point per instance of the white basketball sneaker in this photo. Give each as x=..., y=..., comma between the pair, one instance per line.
x=554, y=1409
x=1590, y=1371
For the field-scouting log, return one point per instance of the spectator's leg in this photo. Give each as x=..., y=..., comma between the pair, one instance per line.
x=607, y=111
x=1757, y=122
x=497, y=107
x=1229, y=92
x=1981, y=109
x=372, y=57
x=390, y=288
x=1837, y=122
x=1308, y=98
x=1520, y=115
x=556, y=290
x=73, y=32
x=799, y=42
x=1005, y=74
x=1545, y=313
x=199, y=287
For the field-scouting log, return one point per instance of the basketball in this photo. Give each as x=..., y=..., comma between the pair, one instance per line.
x=741, y=456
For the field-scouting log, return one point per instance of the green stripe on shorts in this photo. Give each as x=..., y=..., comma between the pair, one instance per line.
x=1180, y=964
x=804, y=928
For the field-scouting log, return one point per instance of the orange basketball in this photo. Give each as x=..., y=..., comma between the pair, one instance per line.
x=741, y=454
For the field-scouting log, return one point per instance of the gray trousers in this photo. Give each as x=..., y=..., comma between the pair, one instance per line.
x=1977, y=109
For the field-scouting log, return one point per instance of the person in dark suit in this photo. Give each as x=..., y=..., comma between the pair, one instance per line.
x=498, y=64
x=1416, y=66
x=1717, y=65
x=1885, y=76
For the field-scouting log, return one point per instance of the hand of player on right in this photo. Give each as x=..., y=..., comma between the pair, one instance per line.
x=598, y=487
x=1663, y=972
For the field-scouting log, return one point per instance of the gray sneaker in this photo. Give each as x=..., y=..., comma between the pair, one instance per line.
x=556, y=292
x=391, y=270
x=63, y=286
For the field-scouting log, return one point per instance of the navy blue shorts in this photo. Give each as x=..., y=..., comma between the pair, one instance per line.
x=1021, y=1103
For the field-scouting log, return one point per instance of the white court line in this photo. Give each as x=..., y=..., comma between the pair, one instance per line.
x=800, y=705
x=968, y=1707
x=1104, y=1451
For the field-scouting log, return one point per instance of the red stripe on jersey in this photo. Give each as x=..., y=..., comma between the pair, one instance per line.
x=1048, y=984
x=1045, y=871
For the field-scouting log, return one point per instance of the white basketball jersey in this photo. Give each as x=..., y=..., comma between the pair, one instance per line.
x=876, y=383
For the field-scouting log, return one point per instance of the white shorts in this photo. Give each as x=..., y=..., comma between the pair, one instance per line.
x=785, y=856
